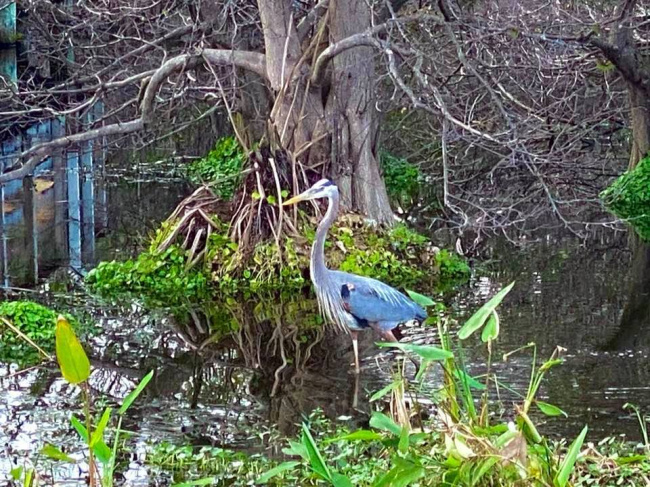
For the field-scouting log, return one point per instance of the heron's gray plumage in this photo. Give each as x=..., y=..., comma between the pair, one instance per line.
x=348, y=301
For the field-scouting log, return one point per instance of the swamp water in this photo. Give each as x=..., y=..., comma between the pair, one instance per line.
x=268, y=376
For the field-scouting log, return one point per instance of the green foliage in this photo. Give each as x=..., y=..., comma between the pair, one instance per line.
x=402, y=178
x=37, y=322
x=452, y=267
x=160, y=280
x=629, y=198
x=222, y=166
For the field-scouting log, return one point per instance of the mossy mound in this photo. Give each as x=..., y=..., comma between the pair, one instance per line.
x=629, y=198
x=35, y=321
x=174, y=278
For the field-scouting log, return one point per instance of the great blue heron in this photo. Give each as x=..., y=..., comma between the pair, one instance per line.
x=351, y=302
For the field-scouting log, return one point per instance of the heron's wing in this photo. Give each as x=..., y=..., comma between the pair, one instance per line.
x=373, y=301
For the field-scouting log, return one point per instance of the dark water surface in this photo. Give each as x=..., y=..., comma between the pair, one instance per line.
x=270, y=373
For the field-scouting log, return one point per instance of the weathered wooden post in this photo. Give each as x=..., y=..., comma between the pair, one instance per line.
x=3, y=239
x=74, y=210
x=31, y=232
x=60, y=192
x=87, y=197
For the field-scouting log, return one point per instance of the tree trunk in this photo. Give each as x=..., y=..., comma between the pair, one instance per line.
x=352, y=115
x=634, y=330
x=302, y=112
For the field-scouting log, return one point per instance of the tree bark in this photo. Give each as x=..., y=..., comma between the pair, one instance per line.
x=634, y=330
x=352, y=116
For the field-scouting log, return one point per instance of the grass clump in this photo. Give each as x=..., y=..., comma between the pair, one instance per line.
x=35, y=321
x=221, y=168
x=628, y=197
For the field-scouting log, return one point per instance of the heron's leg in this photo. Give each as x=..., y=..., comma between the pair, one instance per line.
x=389, y=337
x=355, y=347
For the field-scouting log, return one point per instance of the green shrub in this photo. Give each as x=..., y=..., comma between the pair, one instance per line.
x=222, y=166
x=629, y=198
x=401, y=177
x=35, y=321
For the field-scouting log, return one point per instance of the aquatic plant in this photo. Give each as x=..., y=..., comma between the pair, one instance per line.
x=220, y=168
x=628, y=197
x=24, y=321
x=75, y=368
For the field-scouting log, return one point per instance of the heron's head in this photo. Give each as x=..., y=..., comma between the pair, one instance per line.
x=322, y=189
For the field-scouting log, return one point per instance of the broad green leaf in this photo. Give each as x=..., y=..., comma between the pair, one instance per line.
x=491, y=330
x=381, y=393
x=315, y=459
x=72, y=359
x=54, y=453
x=98, y=434
x=630, y=459
x=403, y=445
x=133, y=395
x=478, y=319
x=401, y=475
x=420, y=299
x=470, y=381
x=485, y=467
x=276, y=471
x=101, y=449
x=16, y=473
x=382, y=422
x=296, y=448
x=363, y=435
x=427, y=352
x=550, y=409
x=203, y=481
x=563, y=474
x=339, y=480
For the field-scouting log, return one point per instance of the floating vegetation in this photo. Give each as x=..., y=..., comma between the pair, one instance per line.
x=21, y=321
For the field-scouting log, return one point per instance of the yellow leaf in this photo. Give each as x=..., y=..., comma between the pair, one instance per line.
x=72, y=359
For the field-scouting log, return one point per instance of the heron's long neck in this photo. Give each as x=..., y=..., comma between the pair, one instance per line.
x=318, y=267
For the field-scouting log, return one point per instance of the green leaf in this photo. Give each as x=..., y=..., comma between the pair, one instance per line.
x=315, y=459
x=276, y=471
x=403, y=445
x=550, y=409
x=296, y=448
x=421, y=299
x=133, y=395
x=339, y=480
x=491, y=330
x=382, y=422
x=101, y=449
x=427, y=352
x=569, y=461
x=363, y=435
x=54, y=453
x=470, y=381
x=72, y=359
x=203, y=481
x=16, y=473
x=98, y=433
x=382, y=392
x=81, y=429
x=401, y=475
x=478, y=319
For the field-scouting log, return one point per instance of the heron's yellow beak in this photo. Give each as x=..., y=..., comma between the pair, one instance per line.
x=295, y=199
